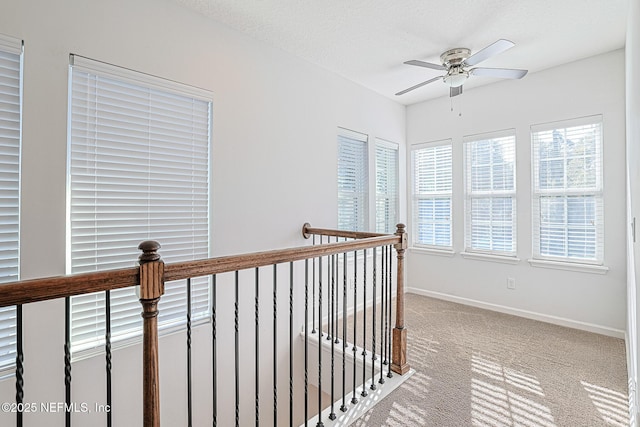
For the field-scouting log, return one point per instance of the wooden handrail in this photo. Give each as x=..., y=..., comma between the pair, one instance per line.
x=307, y=231
x=153, y=273
x=34, y=290
x=184, y=270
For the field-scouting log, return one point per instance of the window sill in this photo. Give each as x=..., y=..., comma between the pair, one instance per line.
x=492, y=258
x=569, y=266
x=433, y=251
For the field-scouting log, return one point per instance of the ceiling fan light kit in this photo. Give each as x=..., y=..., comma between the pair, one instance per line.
x=456, y=63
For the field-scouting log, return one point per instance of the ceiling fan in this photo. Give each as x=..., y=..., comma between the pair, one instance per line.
x=457, y=62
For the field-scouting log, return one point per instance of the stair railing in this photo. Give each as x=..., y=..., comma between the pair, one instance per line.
x=152, y=274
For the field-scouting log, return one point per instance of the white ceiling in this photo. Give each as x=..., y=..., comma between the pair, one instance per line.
x=367, y=41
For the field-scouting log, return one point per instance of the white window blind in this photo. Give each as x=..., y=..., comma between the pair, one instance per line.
x=567, y=205
x=10, y=138
x=490, y=193
x=432, y=184
x=138, y=170
x=386, y=186
x=353, y=181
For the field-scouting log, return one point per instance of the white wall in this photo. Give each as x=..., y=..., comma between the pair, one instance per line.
x=585, y=300
x=633, y=198
x=273, y=159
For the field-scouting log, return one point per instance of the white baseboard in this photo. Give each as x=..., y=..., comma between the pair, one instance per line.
x=590, y=327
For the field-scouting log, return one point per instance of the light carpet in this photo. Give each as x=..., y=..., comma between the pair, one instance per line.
x=476, y=367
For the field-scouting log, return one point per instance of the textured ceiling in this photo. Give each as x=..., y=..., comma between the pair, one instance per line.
x=367, y=41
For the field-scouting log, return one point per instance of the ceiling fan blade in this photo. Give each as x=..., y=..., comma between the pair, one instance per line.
x=501, y=73
x=425, y=64
x=489, y=51
x=402, y=92
x=455, y=91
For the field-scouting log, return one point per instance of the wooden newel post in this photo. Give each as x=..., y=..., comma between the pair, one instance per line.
x=399, y=363
x=151, y=289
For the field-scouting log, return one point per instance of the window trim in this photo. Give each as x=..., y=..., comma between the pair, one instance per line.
x=491, y=194
x=364, y=138
x=15, y=46
x=392, y=146
x=569, y=263
x=163, y=87
x=444, y=249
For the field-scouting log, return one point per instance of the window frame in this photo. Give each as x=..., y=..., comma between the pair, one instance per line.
x=391, y=196
x=14, y=47
x=436, y=194
x=596, y=192
x=507, y=136
x=361, y=181
x=171, y=94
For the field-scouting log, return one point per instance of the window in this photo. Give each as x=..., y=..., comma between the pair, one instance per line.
x=138, y=170
x=567, y=205
x=386, y=186
x=432, y=182
x=10, y=138
x=353, y=181
x=490, y=193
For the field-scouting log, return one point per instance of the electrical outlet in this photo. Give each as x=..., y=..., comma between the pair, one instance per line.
x=511, y=283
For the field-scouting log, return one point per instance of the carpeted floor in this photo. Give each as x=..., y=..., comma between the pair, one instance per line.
x=480, y=368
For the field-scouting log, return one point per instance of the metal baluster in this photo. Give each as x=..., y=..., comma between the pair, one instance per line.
x=214, y=360
x=343, y=408
x=332, y=415
x=383, y=313
x=237, y=349
x=335, y=308
x=275, y=344
x=389, y=307
x=107, y=350
x=19, y=365
x=256, y=309
x=364, y=330
x=354, y=400
x=373, y=328
x=189, y=379
x=67, y=359
x=306, y=341
x=291, y=344
x=313, y=287
x=320, y=424
x=330, y=295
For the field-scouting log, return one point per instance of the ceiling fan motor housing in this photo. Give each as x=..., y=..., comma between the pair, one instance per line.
x=455, y=57
x=453, y=60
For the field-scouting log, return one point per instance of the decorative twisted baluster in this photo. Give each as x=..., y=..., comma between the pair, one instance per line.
x=332, y=414
x=214, y=342
x=343, y=408
x=189, y=379
x=306, y=341
x=236, y=350
x=256, y=315
x=373, y=320
x=319, y=423
x=364, y=329
x=354, y=399
x=107, y=348
x=67, y=360
x=383, y=312
x=19, y=366
x=291, y=344
x=275, y=344
x=390, y=308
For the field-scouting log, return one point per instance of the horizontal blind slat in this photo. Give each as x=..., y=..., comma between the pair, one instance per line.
x=139, y=170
